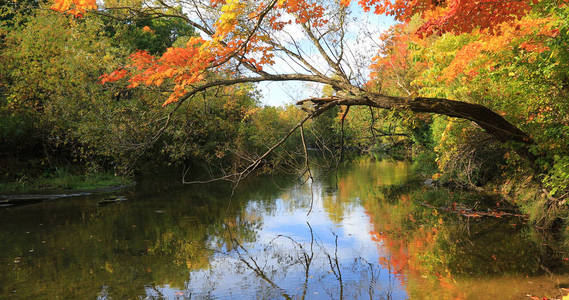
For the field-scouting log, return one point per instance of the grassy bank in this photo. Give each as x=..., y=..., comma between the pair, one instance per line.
x=63, y=180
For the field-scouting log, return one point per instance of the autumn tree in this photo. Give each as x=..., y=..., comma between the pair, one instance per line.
x=55, y=113
x=249, y=41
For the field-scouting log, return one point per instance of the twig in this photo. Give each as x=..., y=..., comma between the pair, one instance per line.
x=253, y=166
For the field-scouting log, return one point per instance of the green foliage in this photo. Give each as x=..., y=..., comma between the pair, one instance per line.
x=147, y=33
x=229, y=129
x=424, y=163
x=63, y=180
x=528, y=87
x=56, y=113
x=51, y=65
x=558, y=177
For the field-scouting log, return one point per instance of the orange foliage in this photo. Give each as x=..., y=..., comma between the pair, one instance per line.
x=304, y=11
x=186, y=66
x=74, y=7
x=488, y=43
x=397, y=54
x=402, y=255
x=455, y=16
x=147, y=29
x=395, y=58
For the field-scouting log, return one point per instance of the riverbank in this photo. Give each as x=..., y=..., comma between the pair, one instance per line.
x=64, y=181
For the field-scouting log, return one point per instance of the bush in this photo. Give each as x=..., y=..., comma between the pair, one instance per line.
x=467, y=156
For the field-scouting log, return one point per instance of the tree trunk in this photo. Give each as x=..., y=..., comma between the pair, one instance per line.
x=490, y=121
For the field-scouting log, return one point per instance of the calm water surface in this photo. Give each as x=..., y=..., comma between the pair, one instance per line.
x=371, y=234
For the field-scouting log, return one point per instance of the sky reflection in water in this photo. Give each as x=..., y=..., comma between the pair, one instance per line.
x=286, y=235
x=368, y=236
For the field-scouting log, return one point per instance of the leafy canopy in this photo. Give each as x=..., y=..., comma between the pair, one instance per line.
x=247, y=35
x=242, y=33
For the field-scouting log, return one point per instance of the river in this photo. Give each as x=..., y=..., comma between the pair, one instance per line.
x=368, y=231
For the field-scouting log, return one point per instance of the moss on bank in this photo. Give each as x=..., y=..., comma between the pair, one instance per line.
x=64, y=180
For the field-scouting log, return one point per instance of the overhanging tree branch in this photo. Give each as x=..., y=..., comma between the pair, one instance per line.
x=491, y=122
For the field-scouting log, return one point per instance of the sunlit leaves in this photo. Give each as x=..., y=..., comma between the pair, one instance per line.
x=235, y=34
x=456, y=16
x=74, y=7
x=517, y=68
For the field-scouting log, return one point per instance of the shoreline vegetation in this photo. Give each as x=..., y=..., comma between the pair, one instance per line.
x=63, y=181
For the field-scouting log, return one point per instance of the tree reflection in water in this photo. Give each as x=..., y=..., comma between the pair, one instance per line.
x=371, y=235
x=316, y=261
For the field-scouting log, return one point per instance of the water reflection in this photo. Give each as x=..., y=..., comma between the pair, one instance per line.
x=372, y=234
x=291, y=259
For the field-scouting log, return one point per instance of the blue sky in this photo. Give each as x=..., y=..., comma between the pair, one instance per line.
x=283, y=93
